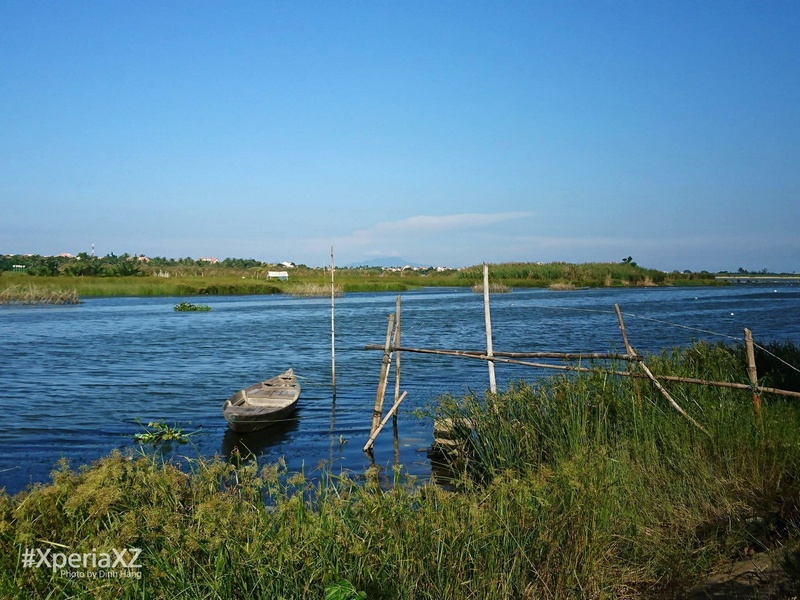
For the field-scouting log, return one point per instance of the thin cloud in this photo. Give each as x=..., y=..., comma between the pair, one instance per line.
x=426, y=224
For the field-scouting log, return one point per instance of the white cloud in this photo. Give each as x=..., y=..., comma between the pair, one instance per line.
x=429, y=224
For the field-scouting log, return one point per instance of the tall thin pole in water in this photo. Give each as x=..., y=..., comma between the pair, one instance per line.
x=488, y=319
x=333, y=328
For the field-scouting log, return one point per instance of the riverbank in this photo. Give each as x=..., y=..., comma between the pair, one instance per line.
x=218, y=281
x=584, y=486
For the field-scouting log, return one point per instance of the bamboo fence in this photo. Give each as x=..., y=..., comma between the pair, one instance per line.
x=638, y=368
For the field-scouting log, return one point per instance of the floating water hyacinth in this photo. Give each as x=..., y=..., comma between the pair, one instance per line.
x=187, y=307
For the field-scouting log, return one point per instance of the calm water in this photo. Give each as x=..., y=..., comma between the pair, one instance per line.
x=74, y=380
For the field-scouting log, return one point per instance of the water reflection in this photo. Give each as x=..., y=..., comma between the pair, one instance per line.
x=253, y=444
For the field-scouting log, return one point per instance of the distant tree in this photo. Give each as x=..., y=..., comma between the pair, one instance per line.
x=629, y=261
x=84, y=265
x=43, y=266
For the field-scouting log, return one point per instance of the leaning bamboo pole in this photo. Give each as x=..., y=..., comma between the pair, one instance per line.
x=384, y=377
x=655, y=381
x=392, y=411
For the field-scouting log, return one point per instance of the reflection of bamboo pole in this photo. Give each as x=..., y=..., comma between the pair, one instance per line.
x=488, y=318
x=391, y=412
x=397, y=359
x=333, y=329
x=387, y=358
x=752, y=374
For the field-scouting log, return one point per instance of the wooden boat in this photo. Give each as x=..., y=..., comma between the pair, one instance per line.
x=262, y=404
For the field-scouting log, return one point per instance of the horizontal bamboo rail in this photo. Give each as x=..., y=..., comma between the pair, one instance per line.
x=502, y=357
x=479, y=353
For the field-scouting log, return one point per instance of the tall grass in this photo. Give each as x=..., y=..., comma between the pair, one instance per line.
x=581, y=487
x=314, y=290
x=35, y=294
x=581, y=275
x=651, y=497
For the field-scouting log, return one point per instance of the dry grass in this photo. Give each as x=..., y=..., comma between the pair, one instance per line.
x=31, y=294
x=314, y=290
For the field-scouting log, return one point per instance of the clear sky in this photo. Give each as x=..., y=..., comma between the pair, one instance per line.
x=445, y=133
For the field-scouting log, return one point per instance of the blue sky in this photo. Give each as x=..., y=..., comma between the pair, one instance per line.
x=446, y=133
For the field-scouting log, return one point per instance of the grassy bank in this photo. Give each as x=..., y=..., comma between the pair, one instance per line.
x=584, y=487
x=88, y=287
x=181, y=281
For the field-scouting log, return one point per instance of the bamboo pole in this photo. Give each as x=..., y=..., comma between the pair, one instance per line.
x=381, y=393
x=333, y=328
x=752, y=374
x=392, y=411
x=488, y=319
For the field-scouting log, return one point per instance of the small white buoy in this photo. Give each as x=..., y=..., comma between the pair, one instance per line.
x=731, y=314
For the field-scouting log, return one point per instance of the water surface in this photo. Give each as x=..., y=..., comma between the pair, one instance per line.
x=75, y=379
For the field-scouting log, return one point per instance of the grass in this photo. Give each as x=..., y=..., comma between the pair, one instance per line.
x=584, y=486
x=494, y=288
x=307, y=281
x=30, y=294
x=314, y=290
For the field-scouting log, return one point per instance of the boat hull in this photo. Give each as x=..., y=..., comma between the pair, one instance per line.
x=263, y=404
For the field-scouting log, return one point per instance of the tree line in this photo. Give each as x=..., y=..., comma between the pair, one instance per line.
x=111, y=265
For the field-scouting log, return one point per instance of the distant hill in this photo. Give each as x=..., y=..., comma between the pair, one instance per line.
x=386, y=261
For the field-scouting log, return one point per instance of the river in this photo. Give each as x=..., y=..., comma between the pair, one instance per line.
x=77, y=381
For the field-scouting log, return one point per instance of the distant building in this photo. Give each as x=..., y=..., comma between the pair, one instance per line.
x=213, y=261
x=282, y=275
x=288, y=265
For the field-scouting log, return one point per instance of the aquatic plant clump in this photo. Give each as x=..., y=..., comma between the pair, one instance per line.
x=188, y=307
x=160, y=431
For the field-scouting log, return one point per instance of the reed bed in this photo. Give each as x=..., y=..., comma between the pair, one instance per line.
x=31, y=294
x=314, y=290
x=494, y=288
x=154, y=286
x=562, y=287
x=584, y=486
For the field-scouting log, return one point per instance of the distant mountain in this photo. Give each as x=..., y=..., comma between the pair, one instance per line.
x=386, y=262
